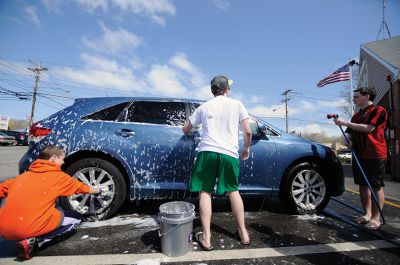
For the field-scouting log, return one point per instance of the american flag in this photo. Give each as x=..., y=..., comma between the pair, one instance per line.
x=341, y=74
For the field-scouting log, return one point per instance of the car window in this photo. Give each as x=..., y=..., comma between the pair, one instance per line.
x=268, y=131
x=107, y=114
x=169, y=113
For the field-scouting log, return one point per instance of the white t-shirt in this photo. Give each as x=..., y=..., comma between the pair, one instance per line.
x=220, y=118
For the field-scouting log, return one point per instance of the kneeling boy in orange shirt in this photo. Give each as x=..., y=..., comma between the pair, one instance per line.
x=29, y=212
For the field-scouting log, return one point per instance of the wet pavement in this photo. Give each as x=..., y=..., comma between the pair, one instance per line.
x=277, y=237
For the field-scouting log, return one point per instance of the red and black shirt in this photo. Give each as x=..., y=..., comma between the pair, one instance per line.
x=370, y=145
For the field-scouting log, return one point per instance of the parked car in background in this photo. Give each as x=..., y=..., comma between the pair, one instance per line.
x=136, y=148
x=20, y=137
x=344, y=155
x=6, y=139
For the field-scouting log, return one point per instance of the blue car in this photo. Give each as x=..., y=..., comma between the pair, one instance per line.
x=135, y=147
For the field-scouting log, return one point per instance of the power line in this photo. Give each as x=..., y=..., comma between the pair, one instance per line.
x=56, y=96
x=16, y=70
x=57, y=108
x=19, y=95
x=308, y=121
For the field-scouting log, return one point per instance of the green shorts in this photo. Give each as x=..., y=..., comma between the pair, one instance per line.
x=215, y=170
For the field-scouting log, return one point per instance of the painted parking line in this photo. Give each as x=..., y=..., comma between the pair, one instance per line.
x=202, y=256
x=386, y=201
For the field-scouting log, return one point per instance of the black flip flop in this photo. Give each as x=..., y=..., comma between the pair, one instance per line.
x=240, y=240
x=197, y=238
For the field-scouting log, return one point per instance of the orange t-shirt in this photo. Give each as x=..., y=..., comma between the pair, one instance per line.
x=29, y=210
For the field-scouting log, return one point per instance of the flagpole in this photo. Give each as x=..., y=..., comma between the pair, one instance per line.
x=351, y=89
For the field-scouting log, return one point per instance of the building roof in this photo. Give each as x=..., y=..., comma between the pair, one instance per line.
x=387, y=50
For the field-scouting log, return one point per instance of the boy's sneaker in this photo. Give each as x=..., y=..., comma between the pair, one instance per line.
x=27, y=248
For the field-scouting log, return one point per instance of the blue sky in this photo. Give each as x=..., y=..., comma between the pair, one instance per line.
x=173, y=48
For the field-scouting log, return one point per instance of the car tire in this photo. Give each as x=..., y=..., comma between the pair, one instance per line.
x=306, y=189
x=94, y=172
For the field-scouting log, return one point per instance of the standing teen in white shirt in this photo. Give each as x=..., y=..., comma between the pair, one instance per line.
x=218, y=157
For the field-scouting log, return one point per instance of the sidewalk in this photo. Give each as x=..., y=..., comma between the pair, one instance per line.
x=392, y=188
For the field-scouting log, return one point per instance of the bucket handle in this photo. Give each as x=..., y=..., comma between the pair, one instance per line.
x=169, y=231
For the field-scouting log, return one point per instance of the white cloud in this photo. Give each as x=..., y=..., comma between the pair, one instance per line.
x=255, y=99
x=114, y=42
x=135, y=63
x=103, y=73
x=156, y=10
x=151, y=8
x=52, y=5
x=202, y=93
x=101, y=63
x=263, y=111
x=224, y=5
x=163, y=80
x=91, y=5
x=181, y=61
x=31, y=14
x=307, y=106
x=97, y=78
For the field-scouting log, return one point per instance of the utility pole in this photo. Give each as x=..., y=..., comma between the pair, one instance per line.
x=287, y=98
x=37, y=71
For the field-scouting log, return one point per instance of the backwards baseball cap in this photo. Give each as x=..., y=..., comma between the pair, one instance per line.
x=219, y=83
x=367, y=90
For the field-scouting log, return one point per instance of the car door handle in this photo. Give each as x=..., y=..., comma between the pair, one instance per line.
x=125, y=133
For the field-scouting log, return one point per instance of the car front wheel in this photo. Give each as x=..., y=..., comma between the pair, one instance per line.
x=94, y=172
x=306, y=189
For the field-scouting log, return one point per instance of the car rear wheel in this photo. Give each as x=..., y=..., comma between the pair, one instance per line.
x=305, y=189
x=94, y=172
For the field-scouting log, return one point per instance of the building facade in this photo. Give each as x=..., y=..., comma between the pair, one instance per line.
x=379, y=67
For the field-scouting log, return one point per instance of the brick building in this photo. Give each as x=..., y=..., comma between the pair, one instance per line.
x=378, y=60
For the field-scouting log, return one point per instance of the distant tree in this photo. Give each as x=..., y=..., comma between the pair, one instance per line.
x=347, y=95
x=321, y=137
x=345, y=107
x=333, y=146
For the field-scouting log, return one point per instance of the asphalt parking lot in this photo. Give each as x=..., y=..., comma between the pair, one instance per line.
x=277, y=237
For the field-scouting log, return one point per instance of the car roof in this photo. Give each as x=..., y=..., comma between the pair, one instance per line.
x=78, y=100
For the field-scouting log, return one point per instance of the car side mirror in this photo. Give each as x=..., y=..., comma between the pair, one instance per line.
x=255, y=131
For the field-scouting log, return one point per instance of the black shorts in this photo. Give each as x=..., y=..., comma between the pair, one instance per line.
x=373, y=169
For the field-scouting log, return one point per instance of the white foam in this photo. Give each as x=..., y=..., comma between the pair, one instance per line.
x=123, y=220
x=309, y=217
